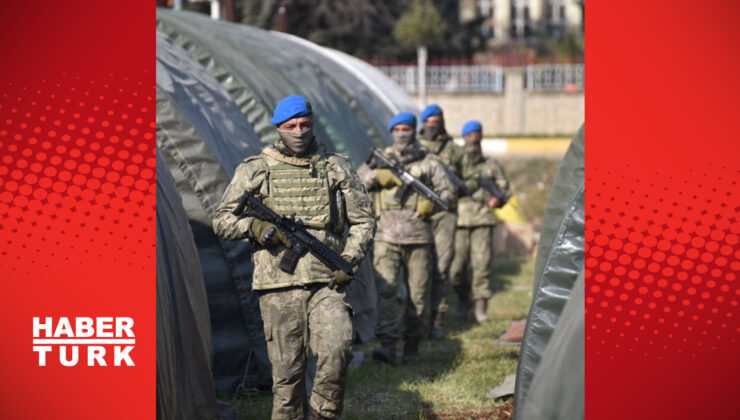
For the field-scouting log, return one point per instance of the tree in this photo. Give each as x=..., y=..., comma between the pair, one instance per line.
x=357, y=27
x=421, y=27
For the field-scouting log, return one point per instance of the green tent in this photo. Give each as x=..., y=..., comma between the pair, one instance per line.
x=550, y=374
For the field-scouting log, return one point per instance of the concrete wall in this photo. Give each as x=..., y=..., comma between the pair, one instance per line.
x=516, y=112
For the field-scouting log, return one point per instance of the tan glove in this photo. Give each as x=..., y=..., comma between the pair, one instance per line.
x=267, y=235
x=387, y=179
x=341, y=278
x=424, y=208
x=494, y=203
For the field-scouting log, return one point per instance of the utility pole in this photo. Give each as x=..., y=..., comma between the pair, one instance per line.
x=215, y=7
x=215, y=10
x=421, y=55
x=421, y=27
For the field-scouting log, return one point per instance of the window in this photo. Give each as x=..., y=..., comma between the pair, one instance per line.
x=485, y=8
x=520, y=19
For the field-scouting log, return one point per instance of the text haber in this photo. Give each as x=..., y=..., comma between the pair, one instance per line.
x=98, y=335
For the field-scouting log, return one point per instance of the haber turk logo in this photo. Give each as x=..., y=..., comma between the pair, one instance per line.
x=101, y=341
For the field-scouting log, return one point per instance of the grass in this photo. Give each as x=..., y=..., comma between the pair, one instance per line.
x=454, y=374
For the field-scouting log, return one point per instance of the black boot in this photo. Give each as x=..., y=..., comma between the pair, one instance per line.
x=436, y=332
x=411, y=352
x=464, y=302
x=386, y=353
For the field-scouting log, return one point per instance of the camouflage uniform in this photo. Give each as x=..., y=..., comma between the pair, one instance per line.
x=403, y=242
x=443, y=223
x=475, y=223
x=299, y=312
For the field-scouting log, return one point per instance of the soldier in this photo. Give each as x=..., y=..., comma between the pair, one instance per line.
x=403, y=243
x=475, y=223
x=297, y=176
x=434, y=138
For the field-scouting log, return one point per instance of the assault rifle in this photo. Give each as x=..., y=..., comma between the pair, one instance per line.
x=408, y=181
x=494, y=189
x=302, y=242
x=485, y=183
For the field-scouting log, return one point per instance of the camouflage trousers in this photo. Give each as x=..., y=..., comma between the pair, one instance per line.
x=301, y=319
x=412, y=263
x=443, y=226
x=474, y=247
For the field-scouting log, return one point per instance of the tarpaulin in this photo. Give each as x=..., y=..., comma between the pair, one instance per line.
x=558, y=389
x=203, y=136
x=184, y=384
x=259, y=67
x=559, y=261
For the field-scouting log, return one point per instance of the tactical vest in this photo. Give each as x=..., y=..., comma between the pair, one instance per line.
x=300, y=188
x=385, y=200
x=471, y=169
x=443, y=149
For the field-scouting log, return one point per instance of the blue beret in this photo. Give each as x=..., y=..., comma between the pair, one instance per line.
x=292, y=106
x=471, y=126
x=430, y=111
x=402, y=118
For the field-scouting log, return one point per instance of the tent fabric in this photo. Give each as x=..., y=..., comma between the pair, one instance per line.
x=557, y=391
x=182, y=77
x=203, y=137
x=259, y=67
x=378, y=97
x=184, y=384
x=566, y=181
x=559, y=260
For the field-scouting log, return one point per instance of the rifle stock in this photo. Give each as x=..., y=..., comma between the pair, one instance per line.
x=494, y=189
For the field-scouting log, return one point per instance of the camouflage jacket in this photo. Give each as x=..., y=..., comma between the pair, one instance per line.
x=444, y=147
x=399, y=224
x=474, y=211
x=358, y=224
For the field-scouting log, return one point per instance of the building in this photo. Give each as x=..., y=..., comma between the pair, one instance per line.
x=507, y=20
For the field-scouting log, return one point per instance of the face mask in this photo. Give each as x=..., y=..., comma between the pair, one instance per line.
x=297, y=142
x=403, y=139
x=472, y=145
x=473, y=148
x=431, y=130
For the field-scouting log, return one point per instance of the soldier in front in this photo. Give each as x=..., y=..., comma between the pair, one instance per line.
x=296, y=176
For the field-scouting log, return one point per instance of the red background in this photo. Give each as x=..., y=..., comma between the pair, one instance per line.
x=77, y=196
x=662, y=253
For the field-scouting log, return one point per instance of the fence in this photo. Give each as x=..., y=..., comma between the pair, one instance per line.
x=554, y=77
x=489, y=79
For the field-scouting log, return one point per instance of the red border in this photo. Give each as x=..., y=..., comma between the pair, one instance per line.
x=662, y=210
x=77, y=197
